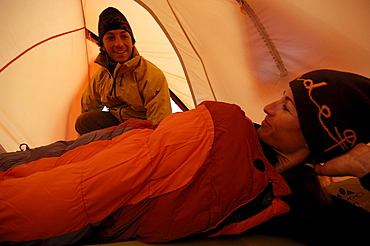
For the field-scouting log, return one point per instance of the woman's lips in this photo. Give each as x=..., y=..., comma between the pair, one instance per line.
x=265, y=123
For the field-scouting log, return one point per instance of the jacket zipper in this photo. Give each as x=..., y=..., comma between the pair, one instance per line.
x=113, y=86
x=113, y=91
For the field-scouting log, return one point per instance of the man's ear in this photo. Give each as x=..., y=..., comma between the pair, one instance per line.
x=103, y=48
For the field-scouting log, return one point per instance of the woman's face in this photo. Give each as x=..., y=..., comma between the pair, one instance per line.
x=281, y=129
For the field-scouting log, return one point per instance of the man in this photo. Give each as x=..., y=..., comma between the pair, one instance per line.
x=126, y=83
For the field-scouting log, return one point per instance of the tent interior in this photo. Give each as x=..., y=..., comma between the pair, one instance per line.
x=235, y=51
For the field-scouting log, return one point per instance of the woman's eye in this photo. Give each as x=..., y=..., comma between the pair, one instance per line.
x=285, y=107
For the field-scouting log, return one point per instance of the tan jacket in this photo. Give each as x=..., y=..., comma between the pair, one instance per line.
x=137, y=89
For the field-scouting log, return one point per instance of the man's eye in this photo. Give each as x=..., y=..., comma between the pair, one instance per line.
x=285, y=107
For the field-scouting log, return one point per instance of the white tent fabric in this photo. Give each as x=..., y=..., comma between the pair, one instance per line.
x=208, y=50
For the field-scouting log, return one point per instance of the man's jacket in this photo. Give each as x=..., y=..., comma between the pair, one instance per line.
x=136, y=89
x=198, y=173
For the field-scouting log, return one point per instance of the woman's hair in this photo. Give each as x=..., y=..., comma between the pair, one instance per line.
x=305, y=185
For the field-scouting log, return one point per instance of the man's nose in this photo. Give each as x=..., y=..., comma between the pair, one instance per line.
x=119, y=42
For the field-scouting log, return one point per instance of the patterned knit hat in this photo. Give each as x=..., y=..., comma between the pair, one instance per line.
x=112, y=19
x=333, y=110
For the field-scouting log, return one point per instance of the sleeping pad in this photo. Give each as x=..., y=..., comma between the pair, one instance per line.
x=198, y=173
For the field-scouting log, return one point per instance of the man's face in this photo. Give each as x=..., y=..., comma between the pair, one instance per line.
x=281, y=129
x=118, y=44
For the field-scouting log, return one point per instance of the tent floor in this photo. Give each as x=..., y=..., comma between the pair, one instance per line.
x=257, y=240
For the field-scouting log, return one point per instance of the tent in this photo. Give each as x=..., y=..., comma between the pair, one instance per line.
x=236, y=51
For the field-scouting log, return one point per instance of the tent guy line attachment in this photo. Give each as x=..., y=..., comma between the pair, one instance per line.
x=247, y=9
x=37, y=44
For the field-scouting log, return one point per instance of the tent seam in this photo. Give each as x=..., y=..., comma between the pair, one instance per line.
x=37, y=44
x=266, y=38
x=196, y=52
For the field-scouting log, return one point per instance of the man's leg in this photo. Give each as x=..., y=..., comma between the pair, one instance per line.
x=95, y=120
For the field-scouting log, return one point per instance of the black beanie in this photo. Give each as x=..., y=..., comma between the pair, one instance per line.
x=333, y=110
x=112, y=19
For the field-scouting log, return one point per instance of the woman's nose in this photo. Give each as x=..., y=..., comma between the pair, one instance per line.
x=269, y=108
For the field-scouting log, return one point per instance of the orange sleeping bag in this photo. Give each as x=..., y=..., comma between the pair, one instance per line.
x=198, y=172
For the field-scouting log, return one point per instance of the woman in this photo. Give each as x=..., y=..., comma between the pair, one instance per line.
x=331, y=109
x=209, y=178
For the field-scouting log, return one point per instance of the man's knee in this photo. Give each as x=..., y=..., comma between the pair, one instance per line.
x=94, y=120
